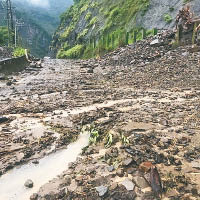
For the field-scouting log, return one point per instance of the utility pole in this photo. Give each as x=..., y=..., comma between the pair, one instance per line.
x=17, y=24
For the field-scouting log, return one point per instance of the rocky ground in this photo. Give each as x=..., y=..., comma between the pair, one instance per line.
x=5, y=53
x=143, y=103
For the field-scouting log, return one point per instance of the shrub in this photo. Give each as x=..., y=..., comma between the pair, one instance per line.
x=74, y=52
x=93, y=21
x=19, y=51
x=66, y=33
x=88, y=16
x=168, y=18
x=82, y=34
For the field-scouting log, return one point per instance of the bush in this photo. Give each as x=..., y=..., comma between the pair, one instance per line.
x=167, y=18
x=82, y=34
x=74, y=52
x=19, y=51
x=66, y=33
x=88, y=16
x=93, y=21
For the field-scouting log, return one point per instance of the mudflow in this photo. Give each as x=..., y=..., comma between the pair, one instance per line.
x=144, y=97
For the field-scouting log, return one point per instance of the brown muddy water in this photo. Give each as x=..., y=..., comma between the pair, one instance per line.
x=12, y=184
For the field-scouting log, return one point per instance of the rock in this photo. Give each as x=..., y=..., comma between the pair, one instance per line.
x=111, y=168
x=34, y=196
x=155, y=181
x=90, y=71
x=196, y=164
x=67, y=179
x=32, y=64
x=127, y=162
x=113, y=186
x=128, y=184
x=115, y=58
x=79, y=180
x=3, y=119
x=145, y=166
x=2, y=78
x=28, y=183
x=102, y=190
x=140, y=182
x=36, y=162
x=164, y=122
x=71, y=165
x=120, y=172
x=131, y=170
x=185, y=54
x=9, y=83
x=156, y=43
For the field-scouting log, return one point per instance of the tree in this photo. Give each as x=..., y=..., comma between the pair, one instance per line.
x=3, y=35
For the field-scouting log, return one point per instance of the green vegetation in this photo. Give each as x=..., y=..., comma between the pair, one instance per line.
x=92, y=21
x=74, y=52
x=3, y=35
x=109, y=140
x=82, y=34
x=47, y=18
x=19, y=51
x=117, y=16
x=167, y=18
x=94, y=136
x=66, y=33
x=124, y=139
x=88, y=16
x=187, y=1
x=171, y=9
x=106, y=43
x=109, y=42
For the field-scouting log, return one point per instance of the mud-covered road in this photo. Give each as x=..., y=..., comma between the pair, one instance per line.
x=150, y=109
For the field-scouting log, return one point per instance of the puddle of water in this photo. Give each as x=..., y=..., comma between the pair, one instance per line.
x=12, y=183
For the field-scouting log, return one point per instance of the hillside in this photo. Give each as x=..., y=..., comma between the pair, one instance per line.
x=44, y=14
x=87, y=19
x=40, y=21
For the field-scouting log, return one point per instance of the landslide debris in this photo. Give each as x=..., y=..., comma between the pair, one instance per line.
x=146, y=111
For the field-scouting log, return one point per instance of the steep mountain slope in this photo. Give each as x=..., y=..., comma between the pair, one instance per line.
x=40, y=21
x=44, y=13
x=32, y=36
x=88, y=18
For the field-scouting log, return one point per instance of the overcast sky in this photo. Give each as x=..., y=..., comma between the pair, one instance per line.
x=41, y=3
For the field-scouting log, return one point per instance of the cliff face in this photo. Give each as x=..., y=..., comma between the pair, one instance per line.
x=34, y=38
x=88, y=18
x=154, y=17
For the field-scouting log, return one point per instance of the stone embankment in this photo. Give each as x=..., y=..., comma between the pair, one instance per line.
x=144, y=103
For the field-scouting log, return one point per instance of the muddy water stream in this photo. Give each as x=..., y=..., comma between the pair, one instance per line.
x=12, y=184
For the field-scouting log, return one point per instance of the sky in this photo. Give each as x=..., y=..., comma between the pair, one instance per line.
x=41, y=3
